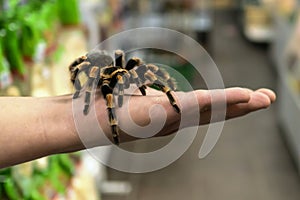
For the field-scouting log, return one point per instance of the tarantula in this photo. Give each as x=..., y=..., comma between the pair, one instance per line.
x=110, y=74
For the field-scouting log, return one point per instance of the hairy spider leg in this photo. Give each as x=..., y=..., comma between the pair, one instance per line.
x=74, y=77
x=121, y=90
x=77, y=62
x=163, y=75
x=156, y=82
x=93, y=76
x=123, y=83
x=119, y=78
x=137, y=81
x=131, y=64
x=119, y=58
x=119, y=62
x=107, y=93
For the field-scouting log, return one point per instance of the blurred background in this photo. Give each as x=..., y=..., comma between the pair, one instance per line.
x=254, y=43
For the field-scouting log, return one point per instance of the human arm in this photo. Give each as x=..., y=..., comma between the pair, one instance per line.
x=35, y=127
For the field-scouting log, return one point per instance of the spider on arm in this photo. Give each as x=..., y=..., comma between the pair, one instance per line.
x=108, y=73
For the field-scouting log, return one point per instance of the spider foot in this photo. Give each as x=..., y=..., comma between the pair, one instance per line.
x=176, y=108
x=142, y=89
x=86, y=109
x=115, y=134
x=173, y=102
x=120, y=101
x=76, y=95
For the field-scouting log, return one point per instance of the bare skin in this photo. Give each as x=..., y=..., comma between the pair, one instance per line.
x=37, y=127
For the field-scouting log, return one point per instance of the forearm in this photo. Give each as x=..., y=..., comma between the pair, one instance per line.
x=36, y=127
x=31, y=128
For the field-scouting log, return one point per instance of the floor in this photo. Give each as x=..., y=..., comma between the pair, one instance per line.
x=250, y=160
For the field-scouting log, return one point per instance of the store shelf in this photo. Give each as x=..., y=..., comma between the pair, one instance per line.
x=285, y=52
x=283, y=32
x=184, y=22
x=289, y=115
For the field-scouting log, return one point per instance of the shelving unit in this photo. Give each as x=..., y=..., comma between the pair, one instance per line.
x=285, y=53
x=194, y=18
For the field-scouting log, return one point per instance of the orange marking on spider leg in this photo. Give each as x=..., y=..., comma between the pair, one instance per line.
x=133, y=73
x=172, y=83
x=83, y=57
x=119, y=51
x=152, y=67
x=166, y=76
x=93, y=72
x=82, y=66
x=109, y=99
x=150, y=76
x=119, y=58
x=113, y=122
x=118, y=71
x=137, y=60
x=166, y=89
x=120, y=79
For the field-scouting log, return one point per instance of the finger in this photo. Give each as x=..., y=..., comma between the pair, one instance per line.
x=237, y=95
x=207, y=98
x=269, y=93
x=259, y=99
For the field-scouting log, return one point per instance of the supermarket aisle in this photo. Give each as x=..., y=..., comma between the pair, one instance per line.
x=250, y=161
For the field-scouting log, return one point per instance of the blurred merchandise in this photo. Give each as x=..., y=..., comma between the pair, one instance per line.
x=258, y=17
x=56, y=177
x=257, y=20
x=68, y=11
x=13, y=91
x=37, y=44
x=224, y=4
x=191, y=17
x=5, y=75
x=287, y=8
x=23, y=27
x=34, y=180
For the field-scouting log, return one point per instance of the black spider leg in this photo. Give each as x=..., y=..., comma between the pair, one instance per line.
x=119, y=62
x=156, y=82
x=119, y=58
x=93, y=77
x=122, y=82
x=75, y=67
x=137, y=81
x=163, y=75
x=131, y=64
x=125, y=83
x=107, y=93
x=75, y=71
x=75, y=63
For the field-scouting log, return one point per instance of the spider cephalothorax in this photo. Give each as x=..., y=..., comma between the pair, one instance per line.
x=109, y=74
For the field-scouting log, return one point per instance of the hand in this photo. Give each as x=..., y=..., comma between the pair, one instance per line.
x=57, y=125
x=143, y=113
